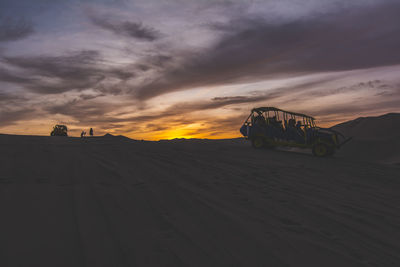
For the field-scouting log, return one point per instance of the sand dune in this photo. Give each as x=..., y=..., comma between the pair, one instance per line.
x=380, y=127
x=374, y=138
x=109, y=201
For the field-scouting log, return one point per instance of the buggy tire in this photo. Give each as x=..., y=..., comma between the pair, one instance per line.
x=257, y=142
x=321, y=150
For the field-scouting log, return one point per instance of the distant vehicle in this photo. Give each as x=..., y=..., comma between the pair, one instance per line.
x=264, y=128
x=59, y=130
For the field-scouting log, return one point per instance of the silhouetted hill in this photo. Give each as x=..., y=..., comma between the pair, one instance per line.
x=380, y=127
x=374, y=138
x=108, y=135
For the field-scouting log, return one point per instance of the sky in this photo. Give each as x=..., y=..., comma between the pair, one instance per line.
x=168, y=69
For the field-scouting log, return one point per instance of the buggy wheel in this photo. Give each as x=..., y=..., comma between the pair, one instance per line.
x=321, y=150
x=257, y=142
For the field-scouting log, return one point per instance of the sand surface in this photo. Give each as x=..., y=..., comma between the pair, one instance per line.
x=109, y=201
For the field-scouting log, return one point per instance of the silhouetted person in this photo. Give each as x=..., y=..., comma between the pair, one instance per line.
x=259, y=120
x=274, y=127
x=300, y=132
x=91, y=132
x=291, y=131
x=298, y=125
x=292, y=123
x=83, y=133
x=272, y=121
x=276, y=123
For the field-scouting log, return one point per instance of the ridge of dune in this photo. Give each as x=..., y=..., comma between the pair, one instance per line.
x=374, y=138
x=377, y=127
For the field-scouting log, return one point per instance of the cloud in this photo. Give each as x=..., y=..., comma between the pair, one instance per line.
x=89, y=96
x=7, y=76
x=382, y=106
x=81, y=109
x=75, y=65
x=14, y=29
x=88, y=112
x=6, y=97
x=126, y=28
x=10, y=117
x=152, y=127
x=57, y=74
x=252, y=49
x=372, y=85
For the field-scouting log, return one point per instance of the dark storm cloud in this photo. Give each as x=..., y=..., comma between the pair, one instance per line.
x=126, y=28
x=58, y=74
x=12, y=29
x=251, y=49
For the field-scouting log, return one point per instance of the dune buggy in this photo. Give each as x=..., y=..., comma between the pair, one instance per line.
x=59, y=130
x=271, y=127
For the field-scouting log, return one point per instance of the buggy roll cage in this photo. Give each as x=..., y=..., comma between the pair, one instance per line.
x=261, y=111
